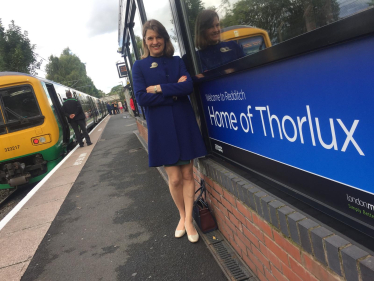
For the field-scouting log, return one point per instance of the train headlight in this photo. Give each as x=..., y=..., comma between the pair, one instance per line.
x=41, y=139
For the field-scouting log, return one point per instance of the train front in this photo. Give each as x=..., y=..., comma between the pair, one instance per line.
x=30, y=141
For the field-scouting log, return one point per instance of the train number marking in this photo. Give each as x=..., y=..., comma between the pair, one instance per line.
x=80, y=159
x=11, y=148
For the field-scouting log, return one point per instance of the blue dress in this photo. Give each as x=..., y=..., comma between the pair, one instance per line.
x=216, y=55
x=173, y=133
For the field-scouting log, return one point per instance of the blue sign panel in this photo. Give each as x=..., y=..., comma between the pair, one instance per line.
x=312, y=112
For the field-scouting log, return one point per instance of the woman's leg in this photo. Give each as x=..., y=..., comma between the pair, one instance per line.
x=176, y=191
x=188, y=195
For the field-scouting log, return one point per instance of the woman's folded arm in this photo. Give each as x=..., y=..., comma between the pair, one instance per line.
x=178, y=89
x=142, y=97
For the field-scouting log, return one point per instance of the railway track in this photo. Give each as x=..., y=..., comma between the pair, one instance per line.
x=10, y=198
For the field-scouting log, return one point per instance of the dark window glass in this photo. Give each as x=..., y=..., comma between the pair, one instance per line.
x=20, y=108
x=19, y=102
x=214, y=23
x=2, y=127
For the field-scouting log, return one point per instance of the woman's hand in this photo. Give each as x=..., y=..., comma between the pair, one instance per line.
x=151, y=89
x=182, y=79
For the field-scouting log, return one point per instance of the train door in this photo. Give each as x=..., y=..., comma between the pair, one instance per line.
x=94, y=111
x=105, y=110
x=100, y=104
x=99, y=108
x=57, y=104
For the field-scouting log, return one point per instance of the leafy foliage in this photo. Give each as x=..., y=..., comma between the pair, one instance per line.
x=194, y=7
x=138, y=46
x=101, y=93
x=16, y=51
x=282, y=19
x=70, y=71
x=117, y=90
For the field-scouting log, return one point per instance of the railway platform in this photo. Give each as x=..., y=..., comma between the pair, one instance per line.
x=103, y=215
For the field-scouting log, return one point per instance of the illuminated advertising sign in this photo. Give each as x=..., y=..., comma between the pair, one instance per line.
x=308, y=117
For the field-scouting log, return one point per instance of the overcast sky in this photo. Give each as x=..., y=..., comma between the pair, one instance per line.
x=88, y=27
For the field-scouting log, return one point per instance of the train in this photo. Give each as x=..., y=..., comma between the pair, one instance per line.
x=34, y=132
x=251, y=39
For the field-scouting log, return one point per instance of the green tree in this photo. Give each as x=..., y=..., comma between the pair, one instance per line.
x=2, y=43
x=117, y=90
x=101, y=93
x=282, y=19
x=194, y=7
x=70, y=71
x=371, y=3
x=16, y=51
x=138, y=46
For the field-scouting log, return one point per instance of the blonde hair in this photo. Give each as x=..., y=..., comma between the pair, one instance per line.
x=204, y=21
x=156, y=26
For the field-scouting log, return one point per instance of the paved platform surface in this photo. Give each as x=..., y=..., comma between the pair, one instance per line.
x=21, y=236
x=118, y=220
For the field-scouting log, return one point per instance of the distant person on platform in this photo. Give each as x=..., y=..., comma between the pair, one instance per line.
x=117, y=107
x=132, y=105
x=76, y=117
x=120, y=106
x=109, y=108
x=113, y=109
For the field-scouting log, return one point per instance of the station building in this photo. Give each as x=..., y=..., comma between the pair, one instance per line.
x=288, y=127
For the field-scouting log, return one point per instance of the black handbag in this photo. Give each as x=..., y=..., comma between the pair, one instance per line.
x=201, y=212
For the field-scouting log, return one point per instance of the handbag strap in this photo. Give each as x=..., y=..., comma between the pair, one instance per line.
x=202, y=190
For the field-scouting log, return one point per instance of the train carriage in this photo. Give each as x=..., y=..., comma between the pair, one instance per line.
x=34, y=132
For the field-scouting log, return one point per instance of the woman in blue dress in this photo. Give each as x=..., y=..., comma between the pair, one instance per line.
x=211, y=51
x=162, y=85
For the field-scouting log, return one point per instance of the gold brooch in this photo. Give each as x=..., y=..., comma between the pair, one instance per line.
x=225, y=49
x=154, y=65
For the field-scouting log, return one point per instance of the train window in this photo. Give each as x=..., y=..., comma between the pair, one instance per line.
x=252, y=45
x=2, y=126
x=226, y=30
x=132, y=52
x=138, y=35
x=20, y=108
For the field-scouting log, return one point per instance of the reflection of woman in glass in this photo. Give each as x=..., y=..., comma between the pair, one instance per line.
x=211, y=50
x=162, y=85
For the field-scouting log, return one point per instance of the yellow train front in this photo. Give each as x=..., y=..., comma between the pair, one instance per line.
x=251, y=39
x=34, y=133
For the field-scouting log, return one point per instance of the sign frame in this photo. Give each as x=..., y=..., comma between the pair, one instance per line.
x=121, y=73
